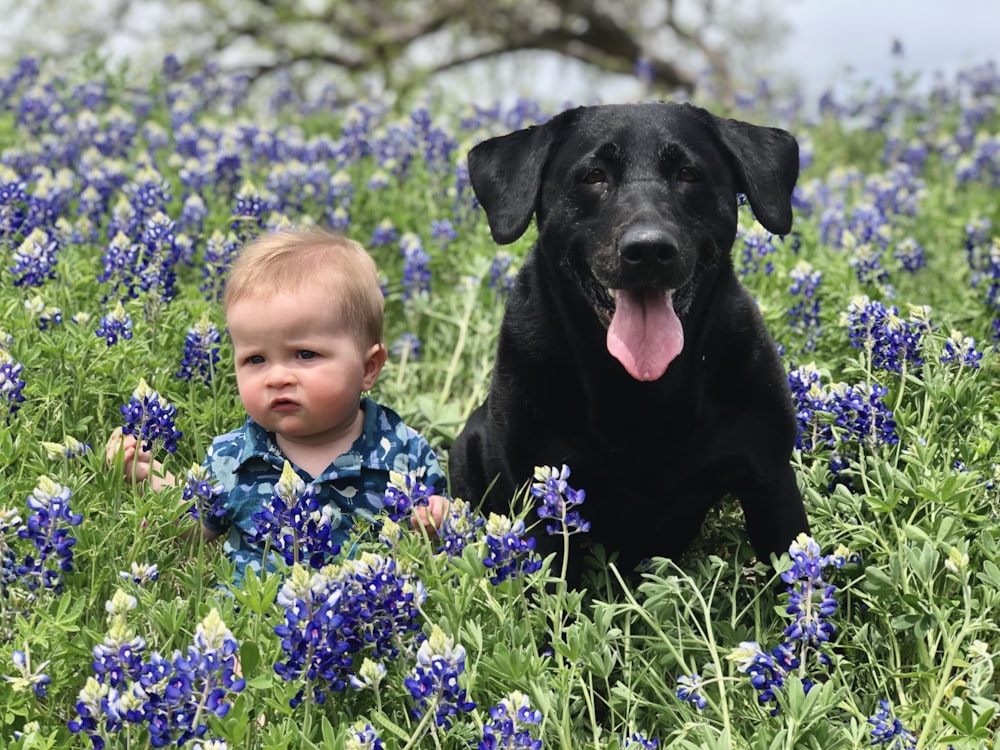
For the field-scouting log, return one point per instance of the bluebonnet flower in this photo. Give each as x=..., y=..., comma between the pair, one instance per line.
x=150, y=418
x=443, y=232
x=508, y=554
x=804, y=315
x=638, y=740
x=390, y=532
x=889, y=731
x=897, y=192
x=363, y=737
x=416, y=273
x=204, y=494
x=148, y=192
x=218, y=256
x=116, y=137
x=11, y=384
x=193, y=215
x=140, y=573
x=34, y=679
x=510, y=725
x=887, y=339
x=910, y=254
x=378, y=179
x=201, y=351
x=340, y=219
x=958, y=561
x=171, y=698
x=978, y=239
x=10, y=522
x=295, y=524
x=369, y=676
x=159, y=258
x=434, y=681
x=982, y=163
x=839, y=414
x=404, y=492
x=464, y=202
x=459, y=528
x=385, y=233
x=121, y=267
x=961, y=350
x=342, y=189
x=689, y=690
x=502, y=273
x=50, y=196
x=767, y=670
x=47, y=528
x=756, y=245
x=114, y=325
x=48, y=315
x=119, y=657
x=810, y=597
x=248, y=212
x=861, y=414
x=35, y=259
x=558, y=500
x=335, y=612
x=867, y=260
x=988, y=280
x=439, y=145
x=196, y=175
x=811, y=400
x=810, y=604
x=406, y=348
x=13, y=205
x=210, y=745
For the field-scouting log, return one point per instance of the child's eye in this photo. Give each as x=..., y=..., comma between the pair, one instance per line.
x=306, y=354
x=254, y=359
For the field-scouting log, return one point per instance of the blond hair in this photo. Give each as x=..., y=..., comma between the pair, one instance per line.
x=285, y=260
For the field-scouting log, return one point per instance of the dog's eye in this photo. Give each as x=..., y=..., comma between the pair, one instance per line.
x=594, y=176
x=686, y=174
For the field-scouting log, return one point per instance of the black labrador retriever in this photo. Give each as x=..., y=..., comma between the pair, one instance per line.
x=629, y=351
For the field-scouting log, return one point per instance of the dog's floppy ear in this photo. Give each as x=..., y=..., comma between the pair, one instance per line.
x=767, y=163
x=506, y=175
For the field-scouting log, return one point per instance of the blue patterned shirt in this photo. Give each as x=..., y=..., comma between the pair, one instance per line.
x=248, y=463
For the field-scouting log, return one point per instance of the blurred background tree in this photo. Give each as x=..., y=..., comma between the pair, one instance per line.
x=670, y=45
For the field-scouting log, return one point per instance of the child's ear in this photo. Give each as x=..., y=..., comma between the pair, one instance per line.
x=374, y=362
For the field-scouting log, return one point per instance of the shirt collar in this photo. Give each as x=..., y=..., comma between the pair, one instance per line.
x=365, y=452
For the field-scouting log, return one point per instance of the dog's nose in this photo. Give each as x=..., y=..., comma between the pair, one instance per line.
x=649, y=247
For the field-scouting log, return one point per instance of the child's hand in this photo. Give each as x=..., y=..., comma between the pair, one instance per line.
x=430, y=516
x=138, y=463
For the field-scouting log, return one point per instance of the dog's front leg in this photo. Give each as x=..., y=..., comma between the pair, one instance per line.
x=774, y=513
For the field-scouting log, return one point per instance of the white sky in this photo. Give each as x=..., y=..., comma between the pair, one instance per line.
x=829, y=37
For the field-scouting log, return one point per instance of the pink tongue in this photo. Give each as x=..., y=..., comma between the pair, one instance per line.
x=645, y=333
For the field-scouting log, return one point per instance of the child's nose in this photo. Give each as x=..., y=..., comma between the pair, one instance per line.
x=278, y=375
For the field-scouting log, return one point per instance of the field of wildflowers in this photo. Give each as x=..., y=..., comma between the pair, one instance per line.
x=122, y=202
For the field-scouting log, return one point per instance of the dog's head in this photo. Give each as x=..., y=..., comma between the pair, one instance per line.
x=636, y=204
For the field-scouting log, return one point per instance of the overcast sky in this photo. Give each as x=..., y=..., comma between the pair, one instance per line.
x=830, y=37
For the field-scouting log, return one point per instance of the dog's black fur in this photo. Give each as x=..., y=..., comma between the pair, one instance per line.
x=638, y=198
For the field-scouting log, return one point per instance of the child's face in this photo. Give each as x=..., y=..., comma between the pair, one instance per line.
x=299, y=370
